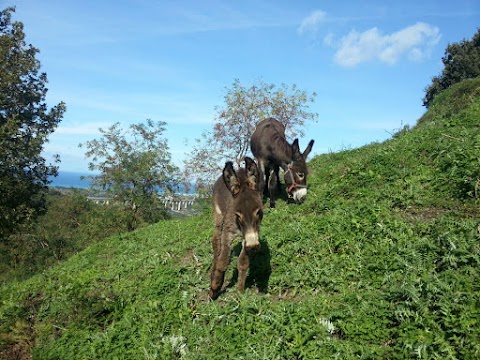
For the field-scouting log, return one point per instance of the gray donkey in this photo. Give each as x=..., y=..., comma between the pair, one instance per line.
x=237, y=211
x=272, y=151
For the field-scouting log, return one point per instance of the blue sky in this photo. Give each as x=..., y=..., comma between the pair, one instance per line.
x=368, y=61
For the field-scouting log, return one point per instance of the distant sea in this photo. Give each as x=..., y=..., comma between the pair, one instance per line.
x=69, y=179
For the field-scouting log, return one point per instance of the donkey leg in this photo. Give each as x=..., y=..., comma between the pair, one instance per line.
x=272, y=187
x=266, y=181
x=279, y=185
x=216, y=282
x=220, y=265
x=242, y=266
x=216, y=242
x=261, y=180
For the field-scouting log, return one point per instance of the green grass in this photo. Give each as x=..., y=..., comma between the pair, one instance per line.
x=381, y=262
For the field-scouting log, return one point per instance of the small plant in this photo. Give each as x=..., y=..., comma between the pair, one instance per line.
x=382, y=261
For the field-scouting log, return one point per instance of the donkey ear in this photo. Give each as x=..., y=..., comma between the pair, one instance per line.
x=296, y=153
x=230, y=178
x=308, y=149
x=252, y=173
x=295, y=146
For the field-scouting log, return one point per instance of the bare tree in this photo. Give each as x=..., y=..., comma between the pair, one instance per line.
x=235, y=122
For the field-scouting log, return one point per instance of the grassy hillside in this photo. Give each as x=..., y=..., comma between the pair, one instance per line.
x=381, y=262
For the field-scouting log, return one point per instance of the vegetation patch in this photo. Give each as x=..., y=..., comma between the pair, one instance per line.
x=381, y=261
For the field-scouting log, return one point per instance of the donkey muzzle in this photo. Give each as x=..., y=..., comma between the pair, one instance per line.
x=299, y=195
x=251, y=240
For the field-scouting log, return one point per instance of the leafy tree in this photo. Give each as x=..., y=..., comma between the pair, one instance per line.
x=236, y=120
x=134, y=165
x=25, y=124
x=461, y=61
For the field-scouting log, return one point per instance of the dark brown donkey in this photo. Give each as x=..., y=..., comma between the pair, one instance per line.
x=237, y=211
x=272, y=151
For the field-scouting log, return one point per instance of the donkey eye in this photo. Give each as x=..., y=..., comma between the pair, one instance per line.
x=301, y=176
x=259, y=214
x=239, y=216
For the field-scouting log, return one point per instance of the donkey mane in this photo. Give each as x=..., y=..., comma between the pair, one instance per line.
x=281, y=145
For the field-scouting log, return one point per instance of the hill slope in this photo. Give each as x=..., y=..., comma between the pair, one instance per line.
x=382, y=261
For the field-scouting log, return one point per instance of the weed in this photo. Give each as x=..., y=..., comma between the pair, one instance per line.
x=381, y=262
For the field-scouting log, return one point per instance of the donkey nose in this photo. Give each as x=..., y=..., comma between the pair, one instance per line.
x=300, y=195
x=252, y=247
x=251, y=241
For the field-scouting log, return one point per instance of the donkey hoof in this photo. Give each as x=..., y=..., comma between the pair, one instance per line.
x=213, y=295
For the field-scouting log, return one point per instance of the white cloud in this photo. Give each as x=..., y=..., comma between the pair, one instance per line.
x=312, y=22
x=329, y=39
x=415, y=42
